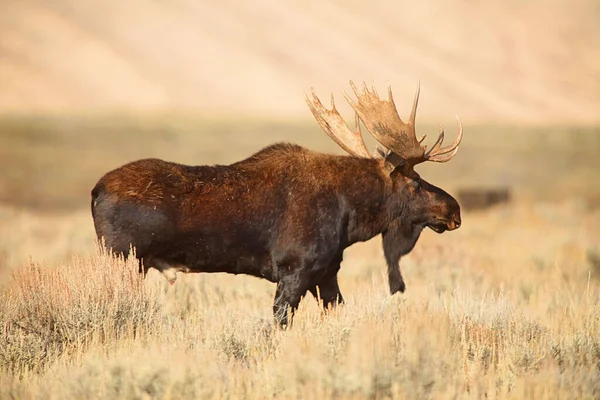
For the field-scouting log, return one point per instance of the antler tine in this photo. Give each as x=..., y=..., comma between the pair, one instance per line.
x=444, y=158
x=437, y=143
x=354, y=89
x=374, y=90
x=413, y=112
x=444, y=154
x=391, y=99
x=357, y=122
x=335, y=127
x=347, y=96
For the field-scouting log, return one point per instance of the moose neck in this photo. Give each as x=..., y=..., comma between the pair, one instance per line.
x=369, y=200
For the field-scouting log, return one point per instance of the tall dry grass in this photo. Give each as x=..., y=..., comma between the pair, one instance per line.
x=508, y=306
x=48, y=314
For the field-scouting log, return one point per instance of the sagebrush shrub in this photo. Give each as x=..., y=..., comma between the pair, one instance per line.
x=46, y=312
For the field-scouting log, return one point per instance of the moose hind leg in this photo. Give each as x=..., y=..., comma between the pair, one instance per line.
x=328, y=291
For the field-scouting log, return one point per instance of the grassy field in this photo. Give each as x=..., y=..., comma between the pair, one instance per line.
x=508, y=306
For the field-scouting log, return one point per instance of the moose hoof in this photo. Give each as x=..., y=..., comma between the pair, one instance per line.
x=398, y=287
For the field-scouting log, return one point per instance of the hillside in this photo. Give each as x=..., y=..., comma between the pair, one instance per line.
x=505, y=60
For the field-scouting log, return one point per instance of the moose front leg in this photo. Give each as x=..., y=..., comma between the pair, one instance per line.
x=398, y=241
x=395, y=279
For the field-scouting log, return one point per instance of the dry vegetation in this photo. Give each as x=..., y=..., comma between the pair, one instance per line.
x=508, y=306
x=496, y=308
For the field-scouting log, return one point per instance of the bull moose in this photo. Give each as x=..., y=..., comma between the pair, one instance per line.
x=286, y=213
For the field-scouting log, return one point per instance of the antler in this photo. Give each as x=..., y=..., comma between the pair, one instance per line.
x=385, y=125
x=334, y=126
x=383, y=122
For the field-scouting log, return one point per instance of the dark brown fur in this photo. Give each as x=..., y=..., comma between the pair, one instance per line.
x=285, y=214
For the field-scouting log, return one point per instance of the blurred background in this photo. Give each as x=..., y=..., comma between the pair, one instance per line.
x=509, y=302
x=89, y=85
x=503, y=60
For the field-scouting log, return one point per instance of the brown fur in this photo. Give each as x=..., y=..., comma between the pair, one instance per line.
x=285, y=214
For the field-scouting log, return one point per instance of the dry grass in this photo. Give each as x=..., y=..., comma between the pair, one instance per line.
x=494, y=309
x=51, y=313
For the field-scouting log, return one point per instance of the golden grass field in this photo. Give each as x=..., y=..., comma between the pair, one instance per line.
x=507, y=306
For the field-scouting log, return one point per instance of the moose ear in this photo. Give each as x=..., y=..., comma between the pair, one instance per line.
x=392, y=160
x=380, y=152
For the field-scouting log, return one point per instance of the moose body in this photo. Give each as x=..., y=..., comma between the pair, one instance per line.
x=285, y=214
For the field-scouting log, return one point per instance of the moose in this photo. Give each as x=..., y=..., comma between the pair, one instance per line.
x=286, y=213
